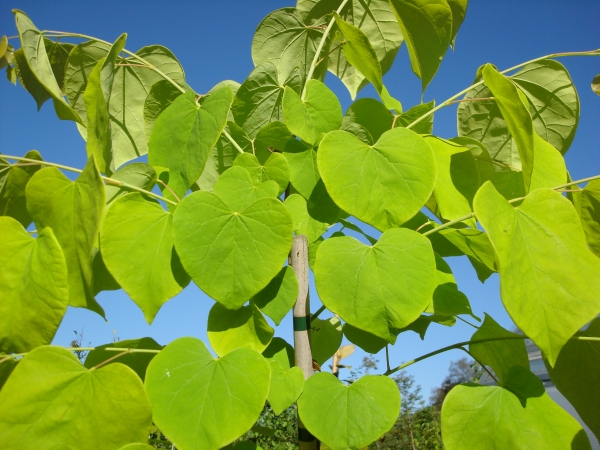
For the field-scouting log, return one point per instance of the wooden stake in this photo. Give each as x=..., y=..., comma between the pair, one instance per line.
x=299, y=262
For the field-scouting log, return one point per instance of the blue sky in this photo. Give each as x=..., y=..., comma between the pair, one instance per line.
x=212, y=41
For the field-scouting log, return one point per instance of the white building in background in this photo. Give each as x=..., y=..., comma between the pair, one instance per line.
x=536, y=364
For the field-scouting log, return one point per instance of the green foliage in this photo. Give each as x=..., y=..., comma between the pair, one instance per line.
x=538, y=294
x=276, y=157
x=36, y=409
x=530, y=418
x=185, y=370
x=349, y=416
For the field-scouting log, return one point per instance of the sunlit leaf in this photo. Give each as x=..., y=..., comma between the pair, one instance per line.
x=96, y=97
x=73, y=210
x=319, y=113
x=231, y=254
x=206, y=403
x=359, y=52
x=374, y=18
x=552, y=102
x=258, y=100
x=275, y=168
x=283, y=39
x=49, y=393
x=240, y=328
x=131, y=87
x=137, y=248
x=33, y=287
x=543, y=165
x=519, y=415
x=36, y=57
x=380, y=287
x=184, y=135
x=161, y=95
x=238, y=190
x=352, y=416
x=383, y=185
x=548, y=301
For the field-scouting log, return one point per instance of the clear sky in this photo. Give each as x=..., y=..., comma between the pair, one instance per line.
x=212, y=41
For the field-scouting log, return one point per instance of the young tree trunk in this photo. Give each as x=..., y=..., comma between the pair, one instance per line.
x=299, y=262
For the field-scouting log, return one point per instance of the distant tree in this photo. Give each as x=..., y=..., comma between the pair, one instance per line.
x=461, y=371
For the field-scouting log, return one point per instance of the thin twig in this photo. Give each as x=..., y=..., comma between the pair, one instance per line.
x=481, y=364
x=394, y=121
x=474, y=99
x=467, y=322
x=312, y=66
x=106, y=179
x=170, y=190
x=329, y=53
x=316, y=314
x=479, y=83
x=514, y=200
x=112, y=358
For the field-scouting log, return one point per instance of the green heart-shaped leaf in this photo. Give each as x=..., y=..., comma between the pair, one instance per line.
x=74, y=211
x=283, y=39
x=482, y=417
x=206, y=403
x=137, y=248
x=258, y=100
x=238, y=190
x=279, y=296
x=383, y=185
x=319, y=113
x=33, y=287
x=539, y=294
x=377, y=288
x=231, y=254
x=349, y=417
x=49, y=392
x=184, y=135
x=275, y=168
x=239, y=328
